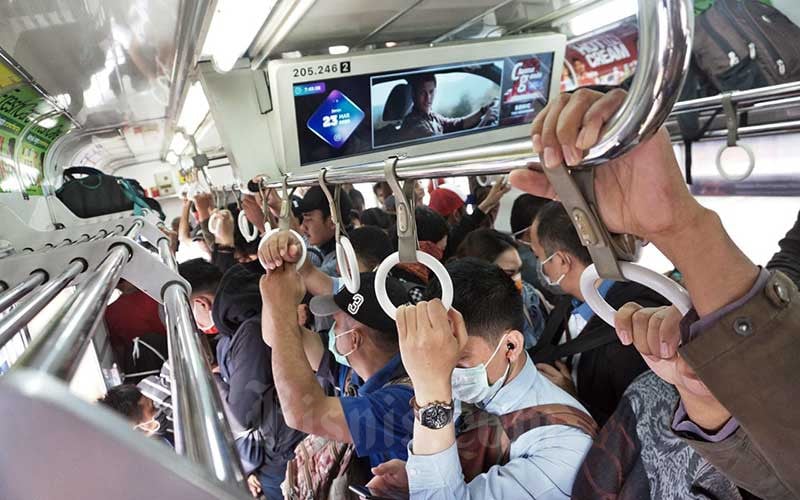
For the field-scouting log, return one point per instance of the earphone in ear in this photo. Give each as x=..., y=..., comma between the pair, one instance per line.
x=510, y=346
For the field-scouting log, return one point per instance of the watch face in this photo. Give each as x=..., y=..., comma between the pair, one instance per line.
x=435, y=417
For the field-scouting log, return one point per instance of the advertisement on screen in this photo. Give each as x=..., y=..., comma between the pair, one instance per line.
x=347, y=116
x=603, y=57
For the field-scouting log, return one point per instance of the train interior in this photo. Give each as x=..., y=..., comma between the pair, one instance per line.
x=173, y=98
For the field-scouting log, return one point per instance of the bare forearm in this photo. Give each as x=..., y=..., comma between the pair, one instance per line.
x=704, y=411
x=317, y=282
x=715, y=270
x=183, y=227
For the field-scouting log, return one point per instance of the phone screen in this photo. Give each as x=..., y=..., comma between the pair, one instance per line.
x=373, y=494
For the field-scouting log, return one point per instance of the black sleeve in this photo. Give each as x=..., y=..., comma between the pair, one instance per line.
x=787, y=260
x=250, y=376
x=466, y=225
x=223, y=258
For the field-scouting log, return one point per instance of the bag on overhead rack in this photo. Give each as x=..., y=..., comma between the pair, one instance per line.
x=97, y=193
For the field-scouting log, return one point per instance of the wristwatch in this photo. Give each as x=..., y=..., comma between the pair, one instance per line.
x=435, y=415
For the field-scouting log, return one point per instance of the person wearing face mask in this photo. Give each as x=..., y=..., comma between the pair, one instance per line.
x=368, y=405
x=493, y=246
x=128, y=401
x=587, y=359
x=487, y=423
x=230, y=304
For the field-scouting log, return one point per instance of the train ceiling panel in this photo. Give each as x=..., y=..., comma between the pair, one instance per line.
x=374, y=22
x=113, y=58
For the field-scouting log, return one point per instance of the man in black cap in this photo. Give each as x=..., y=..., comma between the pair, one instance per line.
x=317, y=225
x=367, y=404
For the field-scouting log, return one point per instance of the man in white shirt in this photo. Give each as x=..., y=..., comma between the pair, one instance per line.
x=480, y=359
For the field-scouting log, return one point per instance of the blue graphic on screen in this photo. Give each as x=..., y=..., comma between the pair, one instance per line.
x=335, y=119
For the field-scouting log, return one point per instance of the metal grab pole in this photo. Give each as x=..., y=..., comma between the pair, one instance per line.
x=11, y=296
x=761, y=94
x=33, y=305
x=201, y=429
x=665, y=28
x=58, y=349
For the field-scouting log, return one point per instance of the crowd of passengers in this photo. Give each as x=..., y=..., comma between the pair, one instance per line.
x=518, y=390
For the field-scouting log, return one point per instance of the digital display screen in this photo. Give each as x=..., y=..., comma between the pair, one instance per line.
x=353, y=115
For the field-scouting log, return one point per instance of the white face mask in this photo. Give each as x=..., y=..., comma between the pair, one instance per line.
x=332, y=336
x=471, y=385
x=553, y=287
x=151, y=426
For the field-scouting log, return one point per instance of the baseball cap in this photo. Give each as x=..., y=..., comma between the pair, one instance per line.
x=315, y=199
x=445, y=201
x=363, y=305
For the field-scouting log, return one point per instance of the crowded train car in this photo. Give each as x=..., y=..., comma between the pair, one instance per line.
x=392, y=249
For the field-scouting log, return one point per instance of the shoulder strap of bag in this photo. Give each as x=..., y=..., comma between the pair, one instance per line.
x=554, y=326
x=519, y=422
x=69, y=173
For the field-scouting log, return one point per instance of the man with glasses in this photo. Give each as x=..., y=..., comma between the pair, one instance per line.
x=595, y=366
x=523, y=211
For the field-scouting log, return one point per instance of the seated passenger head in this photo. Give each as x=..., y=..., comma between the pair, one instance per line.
x=448, y=204
x=204, y=278
x=423, y=91
x=431, y=227
x=523, y=211
x=493, y=314
x=495, y=247
x=317, y=223
x=371, y=245
x=128, y=401
x=362, y=336
x=562, y=257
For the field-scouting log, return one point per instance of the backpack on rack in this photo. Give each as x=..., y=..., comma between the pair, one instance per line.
x=738, y=45
x=97, y=193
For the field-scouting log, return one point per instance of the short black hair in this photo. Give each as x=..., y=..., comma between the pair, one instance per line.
x=524, y=211
x=420, y=78
x=555, y=232
x=376, y=217
x=487, y=298
x=383, y=186
x=430, y=225
x=485, y=244
x=203, y=276
x=371, y=245
x=356, y=199
x=124, y=399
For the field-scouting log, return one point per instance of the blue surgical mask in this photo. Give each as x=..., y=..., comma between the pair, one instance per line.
x=553, y=287
x=471, y=385
x=332, y=336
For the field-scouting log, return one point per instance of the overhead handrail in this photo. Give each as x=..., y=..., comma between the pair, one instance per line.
x=249, y=231
x=738, y=97
x=284, y=224
x=407, y=244
x=12, y=295
x=345, y=254
x=732, y=123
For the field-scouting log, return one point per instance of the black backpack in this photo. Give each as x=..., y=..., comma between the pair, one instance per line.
x=98, y=193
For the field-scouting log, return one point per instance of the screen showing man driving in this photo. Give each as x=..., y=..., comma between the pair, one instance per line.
x=347, y=116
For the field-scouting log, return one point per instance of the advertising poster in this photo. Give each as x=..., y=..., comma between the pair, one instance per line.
x=603, y=57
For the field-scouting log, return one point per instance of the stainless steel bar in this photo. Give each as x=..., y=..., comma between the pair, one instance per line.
x=193, y=22
x=17, y=157
x=783, y=90
x=201, y=431
x=57, y=351
x=32, y=305
x=12, y=295
x=664, y=39
x=751, y=131
x=282, y=19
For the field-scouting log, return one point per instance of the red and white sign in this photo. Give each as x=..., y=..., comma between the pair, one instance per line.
x=603, y=57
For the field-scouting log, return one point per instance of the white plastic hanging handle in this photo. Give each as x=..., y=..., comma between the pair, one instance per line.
x=423, y=258
x=671, y=290
x=214, y=221
x=348, y=264
x=301, y=242
x=249, y=231
x=751, y=163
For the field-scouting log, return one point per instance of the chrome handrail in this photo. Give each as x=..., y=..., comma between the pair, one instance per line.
x=665, y=34
x=12, y=295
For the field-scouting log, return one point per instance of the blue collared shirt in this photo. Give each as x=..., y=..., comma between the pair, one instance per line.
x=379, y=417
x=543, y=462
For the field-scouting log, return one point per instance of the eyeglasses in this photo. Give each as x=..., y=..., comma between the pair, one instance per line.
x=518, y=235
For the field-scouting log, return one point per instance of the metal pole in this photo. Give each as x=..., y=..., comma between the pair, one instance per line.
x=665, y=29
x=33, y=305
x=57, y=351
x=201, y=432
x=283, y=17
x=751, y=131
x=739, y=97
x=11, y=296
